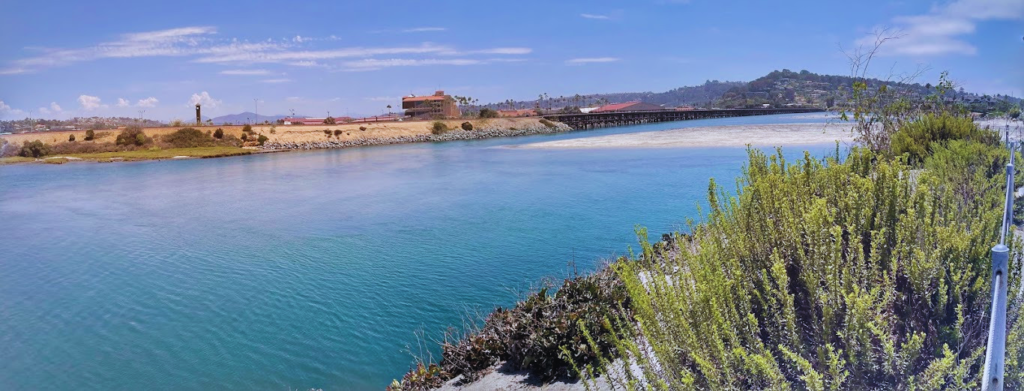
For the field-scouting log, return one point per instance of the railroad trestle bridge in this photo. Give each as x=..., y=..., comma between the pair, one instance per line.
x=596, y=120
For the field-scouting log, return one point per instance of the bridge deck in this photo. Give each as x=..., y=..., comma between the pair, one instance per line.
x=594, y=120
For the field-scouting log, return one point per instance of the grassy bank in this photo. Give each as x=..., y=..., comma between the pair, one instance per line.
x=868, y=270
x=136, y=155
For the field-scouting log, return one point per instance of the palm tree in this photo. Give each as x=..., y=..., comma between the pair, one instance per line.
x=389, y=110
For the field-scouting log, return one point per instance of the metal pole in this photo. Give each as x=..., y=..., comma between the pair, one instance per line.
x=996, y=350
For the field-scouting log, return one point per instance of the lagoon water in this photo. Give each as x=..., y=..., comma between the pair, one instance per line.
x=311, y=269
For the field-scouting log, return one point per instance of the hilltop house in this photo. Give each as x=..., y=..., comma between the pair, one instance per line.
x=435, y=106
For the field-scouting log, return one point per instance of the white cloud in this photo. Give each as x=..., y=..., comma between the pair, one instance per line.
x=204, y=99
x=275, y=81
x=10, y=112
x=591, y=60
x=292, y=99
x=122, y=102
x=594, y=16
x=503, y=51
x=245, y=72
x=943, y=29
x=43, y=110
x=55, y=107
x=148, y=102
x=377, y=64
x=297, y=39
x=424, y=29
x=381, y=99
x=90, y=102
x=309, y=55
x=305, y=64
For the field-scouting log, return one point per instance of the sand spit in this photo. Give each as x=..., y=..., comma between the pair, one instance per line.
x=711, y=136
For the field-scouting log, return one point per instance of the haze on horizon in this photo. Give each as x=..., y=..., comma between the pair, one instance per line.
x=65, y=59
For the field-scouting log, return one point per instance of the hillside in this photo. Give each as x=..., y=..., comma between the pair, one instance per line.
x=700, y=95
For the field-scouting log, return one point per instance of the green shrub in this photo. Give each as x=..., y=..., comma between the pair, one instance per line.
x=34, y=149
x=219, y=133
x=89, y=135
x=330, y=121
x=245, y=136
x=916, y=139
x=855, y=274
x=262, y=139
x=131, y=135
x=467, y=126
x=488, y=113
x=188, y=138
x=337, y=133
x=71, y=138
x=247, y=129
x=362, y=128
x=438, y=127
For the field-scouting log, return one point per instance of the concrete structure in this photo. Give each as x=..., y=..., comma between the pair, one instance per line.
x=627, y=107
x=437, y=106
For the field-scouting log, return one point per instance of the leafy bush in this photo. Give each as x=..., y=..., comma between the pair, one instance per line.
x=467, y=126
x=337, y=133
x=262, y=139
x=531, y=334
x=69, y=148
x=188, y=138
x=438, y=127
x=488, y=113
x=330, y=121
x=833, y=274
x=245, y=136
x=131, y=135
x=362, y=128
x=89, y=135
x=71, y=138
x=247, y=129
x=34, y=149
x=916, y=139
x=219, y=133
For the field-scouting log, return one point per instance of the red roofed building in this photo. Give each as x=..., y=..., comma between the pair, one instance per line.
x=628, y=106
x=435, y=106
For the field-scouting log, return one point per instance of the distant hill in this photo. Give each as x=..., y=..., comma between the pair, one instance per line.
x=699, y=95
x=246, y=117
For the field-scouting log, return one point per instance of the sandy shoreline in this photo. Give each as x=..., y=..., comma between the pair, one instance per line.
x=711, y=136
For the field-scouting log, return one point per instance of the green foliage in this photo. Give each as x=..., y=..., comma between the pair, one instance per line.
x=188, y=138
x=488, y=113
x=467, y=126
x=532, y=334
x=247, y=129
x=362, y=128
x=918, y=138
x=856, y=274
x=262, y=139
x=90, y=135
x=131, y=135
x=245, y=136
x=34, y=149
x=219, y=133
x=71, y=138
x=438, y=127
x=337, y=133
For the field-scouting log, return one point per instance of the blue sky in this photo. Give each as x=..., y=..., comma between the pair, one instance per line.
x=69, y=58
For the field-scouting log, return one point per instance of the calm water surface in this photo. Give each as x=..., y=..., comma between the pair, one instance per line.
x=313, y=269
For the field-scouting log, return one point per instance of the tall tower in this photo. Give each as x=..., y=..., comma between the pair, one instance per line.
x=199, y=117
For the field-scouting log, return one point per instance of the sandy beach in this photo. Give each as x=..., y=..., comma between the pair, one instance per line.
x=711, y=136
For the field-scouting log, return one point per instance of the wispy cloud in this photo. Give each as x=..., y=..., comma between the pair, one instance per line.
x=595, y=16
x=148, y=102
x=10, y=112
x=944, y=28
x=91, y=102
x=312, y=55
x=53, y=109
x=381, y=99
x=275, y=81
x=245, y=72
x=424, y=29
x=378, y=64
x=203, y=98
x=591, y=60
x=122, y=102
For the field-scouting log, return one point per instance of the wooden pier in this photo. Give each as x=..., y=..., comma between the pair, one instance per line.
x=597, y=120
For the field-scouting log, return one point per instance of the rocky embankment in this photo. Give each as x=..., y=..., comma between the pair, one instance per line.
x=452, y=135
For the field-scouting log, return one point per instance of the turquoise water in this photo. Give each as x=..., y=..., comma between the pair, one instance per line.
x=312, y=269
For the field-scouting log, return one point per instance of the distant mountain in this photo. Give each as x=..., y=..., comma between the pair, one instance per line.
x=248, y=117
x=700, y=95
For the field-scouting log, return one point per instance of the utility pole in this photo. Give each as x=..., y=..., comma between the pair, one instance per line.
x=141, y=112
x=256, y=102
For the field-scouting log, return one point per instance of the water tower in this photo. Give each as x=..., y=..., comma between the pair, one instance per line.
x=199, y=117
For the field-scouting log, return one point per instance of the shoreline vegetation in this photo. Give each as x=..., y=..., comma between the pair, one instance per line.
x=863, y=269
x=212, y=141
